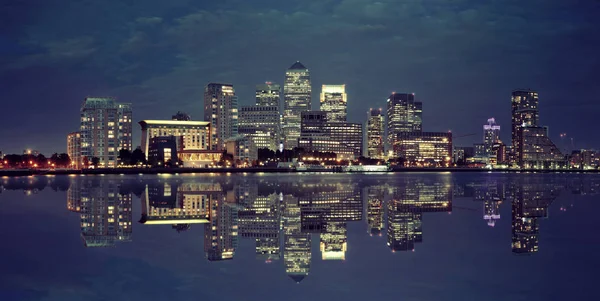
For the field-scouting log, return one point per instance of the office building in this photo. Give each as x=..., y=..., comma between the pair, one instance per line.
x=462, y=153
x=268, y=95
x=105, y=130
x=194, y=144
x=262, y=125
x=243, y=149
x=162, y=150
x=404, y=114
x=334, y=101
x=375, y=134
x=341, y=138
x=536, y=150
x=424, y=148
x=297, y=99
x=221, y=110
x=74, y=150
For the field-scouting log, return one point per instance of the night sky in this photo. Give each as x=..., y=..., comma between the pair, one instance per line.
x=462, y=58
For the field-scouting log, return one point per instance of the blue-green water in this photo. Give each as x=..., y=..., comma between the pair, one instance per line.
x=300, y=236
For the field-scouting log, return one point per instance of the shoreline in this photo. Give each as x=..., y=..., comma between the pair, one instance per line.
x=151, y=171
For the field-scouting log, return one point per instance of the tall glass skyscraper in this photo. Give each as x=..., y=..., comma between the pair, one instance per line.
x=297, y=96
x=404, y=114
x=221, y=110
x=375, y=132
x=334, y=101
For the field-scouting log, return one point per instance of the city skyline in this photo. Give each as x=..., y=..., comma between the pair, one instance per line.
x=155, y=56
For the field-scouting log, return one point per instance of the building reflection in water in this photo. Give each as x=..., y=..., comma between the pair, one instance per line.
x=530, y=202
x=105, y=212
x=491, y=194
x=296, y=248
x=409, y=200
x=375, y=198
x=259, y=218
x=281, y=216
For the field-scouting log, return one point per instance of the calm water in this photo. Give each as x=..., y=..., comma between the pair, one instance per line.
x=300, y=237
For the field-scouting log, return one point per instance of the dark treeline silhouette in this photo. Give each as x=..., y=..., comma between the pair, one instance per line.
x=36, y=161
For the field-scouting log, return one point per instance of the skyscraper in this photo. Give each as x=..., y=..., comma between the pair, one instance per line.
x=375, y=132
x=105, y=129
x=297, y=95
x=221, y=110
x=404, y=114
x=268, y=95
x=334, y=101
x=531, y=144
x=525, y=112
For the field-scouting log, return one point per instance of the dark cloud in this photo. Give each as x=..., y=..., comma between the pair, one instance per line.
x=461, y=57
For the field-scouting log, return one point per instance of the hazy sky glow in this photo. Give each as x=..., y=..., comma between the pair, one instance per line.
x=462, y=58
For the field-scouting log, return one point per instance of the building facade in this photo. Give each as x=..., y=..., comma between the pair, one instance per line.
x=524, y=112
x=404, y=114
x=221, y=110
x=262, y=125
x=105, y=129
x=491, y=135
x=342, y=138
x=536, y=150
x=334, y=101
x=297, y=96
x=243, y=149
x=531, y=145
x=74, y=150
x=375, y=134
x=424, y=148
x=195, y=135
x=268, y=95
x=194, y=140
x=163, y=150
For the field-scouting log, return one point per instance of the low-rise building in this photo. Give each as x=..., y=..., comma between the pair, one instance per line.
x=194, y=139
x=163, y=150
x=242, y=148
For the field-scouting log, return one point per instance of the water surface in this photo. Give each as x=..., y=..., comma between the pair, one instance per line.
x=300, y=236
